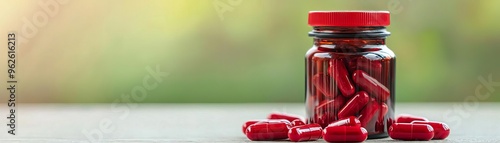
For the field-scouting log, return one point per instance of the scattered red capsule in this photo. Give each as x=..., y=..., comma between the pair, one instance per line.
x=407, y=118
x=308, y=132
x=345, y=134
x=268, y=130
x=289, y=117
x=368, y=112
x=251, y=122
x=297, y=122
x=323, y=84
x=248, y=123
x=441, y=130
x=341, y=77
x=349, y=121
x=354, y=105
x=371, y=85
x=407, y=131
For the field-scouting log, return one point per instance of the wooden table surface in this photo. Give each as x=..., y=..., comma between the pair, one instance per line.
x=469, y=122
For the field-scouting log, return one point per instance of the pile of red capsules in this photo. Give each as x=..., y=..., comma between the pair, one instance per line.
x=279, y=126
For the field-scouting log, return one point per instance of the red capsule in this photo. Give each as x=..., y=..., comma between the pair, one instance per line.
x=248, y=123
x=308, y=132
x=368, y=112
x=289, y=117
x=345, y=134
x=349, y=121
x=297, y=122
x=319, y=97
x=441, y=130
x=251, y=122
x=354, y=105
x=323, y=84
x=320, y=63
x=352, y=64
x=383, y=110
x=327, y=111
x=341, y=77
x=323, y=119
x=373, y=67
x=389, y=122
x=370, y=84
x=407, y=118
x=332, y=105
x=268, y=130
x=379, y=125
x=407, y=131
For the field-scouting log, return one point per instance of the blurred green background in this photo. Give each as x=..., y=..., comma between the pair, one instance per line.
x=238, y=51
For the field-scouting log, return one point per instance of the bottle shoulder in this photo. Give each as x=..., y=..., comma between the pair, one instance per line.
x=312, y=50
x=374, y=51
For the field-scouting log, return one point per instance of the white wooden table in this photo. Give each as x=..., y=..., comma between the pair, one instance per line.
x=208, y=122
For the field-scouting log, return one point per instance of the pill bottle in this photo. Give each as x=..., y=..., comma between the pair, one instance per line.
x=349, y=70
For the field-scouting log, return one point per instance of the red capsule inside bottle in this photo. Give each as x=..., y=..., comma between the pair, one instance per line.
x=331, y=105
x=372, y=67
x=407, y=131
x=328, y=110
x=341, y=77
x=289, y=117
x=323, y=83
x=319, y=63
x=441, y=130
x=354, y=105
x=268, y=130
x=308, y=132
x=349, y=121
x=407, y=118
x=383, y=110
x=389, y=122
x=297, y=122
x=371, y=85
x=369, y=112
x=345, y=134
x=379, y=125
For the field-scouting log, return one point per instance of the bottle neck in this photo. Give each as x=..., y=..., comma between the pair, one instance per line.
x=349, y=39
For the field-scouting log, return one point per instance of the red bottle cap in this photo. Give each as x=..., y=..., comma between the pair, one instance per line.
x=349, y=18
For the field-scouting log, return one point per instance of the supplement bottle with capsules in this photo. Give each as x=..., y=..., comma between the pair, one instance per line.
x=349, y=70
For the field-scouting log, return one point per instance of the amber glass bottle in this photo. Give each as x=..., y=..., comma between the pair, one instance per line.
x=349, y=70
